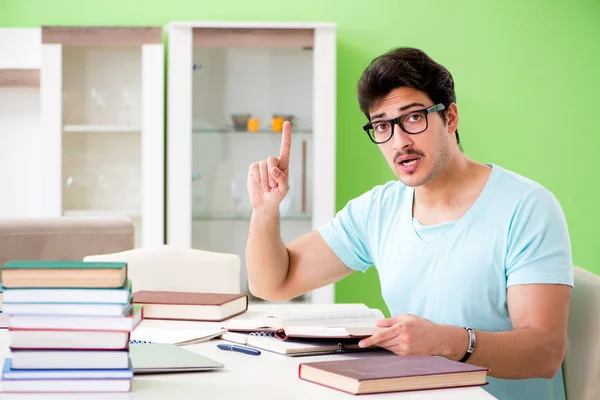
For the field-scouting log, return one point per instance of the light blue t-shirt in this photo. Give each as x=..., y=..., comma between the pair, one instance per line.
x=458, y=272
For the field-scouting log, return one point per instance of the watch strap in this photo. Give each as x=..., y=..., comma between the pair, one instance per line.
x=471, y=348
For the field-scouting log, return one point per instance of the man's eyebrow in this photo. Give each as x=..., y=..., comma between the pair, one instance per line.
x=406, y=107
x=403, y=108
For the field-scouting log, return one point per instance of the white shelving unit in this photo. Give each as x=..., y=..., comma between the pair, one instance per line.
x=20, y=62
x=217, y=69
x=102, y=128
x=103, y=117
x=132, y=214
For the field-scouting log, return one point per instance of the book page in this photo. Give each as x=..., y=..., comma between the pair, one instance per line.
x=282, y=316
x=252, y=320
x=335, y=318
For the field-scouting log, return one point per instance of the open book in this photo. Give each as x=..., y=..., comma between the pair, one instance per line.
x=327, y=324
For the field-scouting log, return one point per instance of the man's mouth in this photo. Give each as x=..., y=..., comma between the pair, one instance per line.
x=409, y=161
x=409, y=164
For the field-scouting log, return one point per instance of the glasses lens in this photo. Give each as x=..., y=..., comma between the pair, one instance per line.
x=415, y=122
x=380, y=131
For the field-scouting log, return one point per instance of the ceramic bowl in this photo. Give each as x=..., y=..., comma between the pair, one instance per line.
x=240, y=121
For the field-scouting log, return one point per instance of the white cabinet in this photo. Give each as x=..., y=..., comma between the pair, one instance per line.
x=102, y=107
x=20, y=61
x=258, y=72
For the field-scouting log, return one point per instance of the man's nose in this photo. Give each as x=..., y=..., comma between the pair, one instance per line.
x=400, y=139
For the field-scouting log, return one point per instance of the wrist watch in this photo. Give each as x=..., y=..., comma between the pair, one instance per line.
x=471, y=348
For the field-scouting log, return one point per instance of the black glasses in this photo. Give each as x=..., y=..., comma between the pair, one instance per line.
x=412, y=122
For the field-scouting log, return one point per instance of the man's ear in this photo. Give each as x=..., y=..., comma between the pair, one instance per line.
x=452, y=118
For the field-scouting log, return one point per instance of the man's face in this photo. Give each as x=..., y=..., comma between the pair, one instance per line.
x=415, y=158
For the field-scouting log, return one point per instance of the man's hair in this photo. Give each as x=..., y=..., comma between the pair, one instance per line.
x=405, y=67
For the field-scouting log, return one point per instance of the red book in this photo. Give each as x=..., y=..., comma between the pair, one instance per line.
x=392, y=373
x=190, y=306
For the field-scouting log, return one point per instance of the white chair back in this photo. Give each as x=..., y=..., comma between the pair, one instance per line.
x=581, y=366
x=169, y=268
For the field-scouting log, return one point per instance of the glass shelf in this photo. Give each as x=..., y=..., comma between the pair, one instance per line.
x=101, y=128
x=245, y=217
x=262, y=132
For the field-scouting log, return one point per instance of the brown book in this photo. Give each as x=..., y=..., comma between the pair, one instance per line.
x=190, y=306
x=392, y=374
x=64, y=274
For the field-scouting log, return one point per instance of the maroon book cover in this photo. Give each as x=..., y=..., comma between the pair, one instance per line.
x=390, y=367
x=393, y=367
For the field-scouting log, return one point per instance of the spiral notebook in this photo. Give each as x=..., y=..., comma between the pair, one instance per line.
x=295, y=347
x=179, y=337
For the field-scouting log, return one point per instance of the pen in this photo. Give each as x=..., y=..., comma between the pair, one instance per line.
x=239, y=349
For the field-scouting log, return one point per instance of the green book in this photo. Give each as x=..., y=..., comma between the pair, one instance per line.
x=63, y=274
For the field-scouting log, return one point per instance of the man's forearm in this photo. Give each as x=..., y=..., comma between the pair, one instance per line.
x=515, y=354
x=267, y=259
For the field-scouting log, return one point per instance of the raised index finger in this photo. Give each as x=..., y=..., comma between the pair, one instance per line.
x=286, y=144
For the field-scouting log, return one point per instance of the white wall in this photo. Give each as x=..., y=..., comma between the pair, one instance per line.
x=20, y=48
x=20, y=127
x=19, y=152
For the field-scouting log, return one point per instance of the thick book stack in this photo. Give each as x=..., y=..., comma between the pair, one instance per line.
x=69, y=326
x=3, y=318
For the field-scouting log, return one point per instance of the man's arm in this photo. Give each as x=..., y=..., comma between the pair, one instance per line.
x=277, y=272
x=538, y=293
x=535, y=348
x=537, y=345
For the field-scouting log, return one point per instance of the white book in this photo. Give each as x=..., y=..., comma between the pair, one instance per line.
x=76, y=322
x=8, y=373
x=4, y=320
x=69, y=340
x=70, y=359
x=68, y=295
x=107, y=310
x=77, y=385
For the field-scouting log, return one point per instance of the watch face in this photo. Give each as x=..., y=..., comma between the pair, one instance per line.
x=471, y=340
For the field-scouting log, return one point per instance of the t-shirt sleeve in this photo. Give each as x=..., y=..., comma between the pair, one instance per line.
x=539, y=247
x=346, y=233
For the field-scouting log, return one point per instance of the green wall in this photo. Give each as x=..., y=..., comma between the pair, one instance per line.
x=525, y=72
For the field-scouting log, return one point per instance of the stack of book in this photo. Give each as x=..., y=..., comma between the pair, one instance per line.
x=3, y=318
x=69, y=326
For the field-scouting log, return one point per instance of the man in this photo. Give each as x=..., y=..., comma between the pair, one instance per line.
x=474, y=260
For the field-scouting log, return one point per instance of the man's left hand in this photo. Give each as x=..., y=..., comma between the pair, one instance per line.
x=408, y=334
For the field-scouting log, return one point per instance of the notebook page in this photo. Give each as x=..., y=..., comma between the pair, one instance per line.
x=174, y=336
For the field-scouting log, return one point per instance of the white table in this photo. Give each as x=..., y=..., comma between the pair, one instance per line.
x=245, y=377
